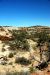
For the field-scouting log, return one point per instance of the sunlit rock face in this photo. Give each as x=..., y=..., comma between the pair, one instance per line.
x=5, y=34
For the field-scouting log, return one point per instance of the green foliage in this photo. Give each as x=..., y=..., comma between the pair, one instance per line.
x=34, y=47
x=36, y=35
x=32, y=69
x=10, y=55
x=25, y=45
x=5, y=58
x=43, y=37
x=19, y=35
x=22, y=61
x=20, y=40
x=12, y=45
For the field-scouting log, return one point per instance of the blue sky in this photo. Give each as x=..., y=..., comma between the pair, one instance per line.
x=24, y=12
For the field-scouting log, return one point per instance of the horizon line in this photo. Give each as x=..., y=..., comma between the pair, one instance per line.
x=24, y=26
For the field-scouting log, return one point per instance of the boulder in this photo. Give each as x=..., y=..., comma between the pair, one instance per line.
x=42, y=65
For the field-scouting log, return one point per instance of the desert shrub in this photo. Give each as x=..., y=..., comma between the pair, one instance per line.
x=5, y=58
x=3, y=49
x=34, y=47
x=10, y=55
x=18, y=73
x=22, y=61
x=32, y=69
x=43, y=37
x=10, y=63
x=12, y=46
x=19, y=41
x=19, y=34
x=25, y=45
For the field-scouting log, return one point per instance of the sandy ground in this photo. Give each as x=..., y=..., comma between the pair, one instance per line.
x=17, y=67
x=14, y=66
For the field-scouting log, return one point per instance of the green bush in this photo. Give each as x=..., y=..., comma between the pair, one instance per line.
x=43, y=37
x=5, y=58
x=19, y=35
x=22, y=61
x=19, y=41
x=25, y=45
x=32, y=69
x=34, y=47
x=10, y=55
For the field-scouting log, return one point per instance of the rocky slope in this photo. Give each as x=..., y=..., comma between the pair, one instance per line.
x=7, y=62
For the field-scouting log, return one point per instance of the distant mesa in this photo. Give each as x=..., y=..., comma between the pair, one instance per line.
x=6, y=35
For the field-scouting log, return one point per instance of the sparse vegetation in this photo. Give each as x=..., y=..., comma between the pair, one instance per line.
x=32, y=69
x=18, y=73
x=34, y=47
x=5, y=58
x=22, y=61
x=3, y=50
x=27, y=47
x=43, y=37
x=19, y=41
x=10, y=55
x=10, y=63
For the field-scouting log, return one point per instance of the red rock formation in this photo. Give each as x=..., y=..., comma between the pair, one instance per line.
x=4, y=38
